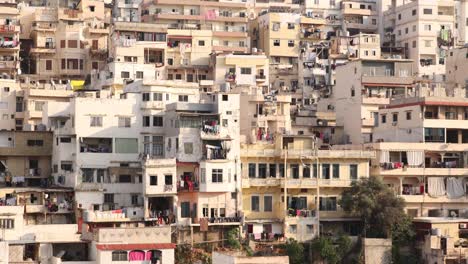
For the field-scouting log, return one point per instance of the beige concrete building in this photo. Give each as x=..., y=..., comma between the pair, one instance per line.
x=65, y=43
x=457, y=67
x=227, y=20
x=277, y=34
x=365, y=85
x=309, y=180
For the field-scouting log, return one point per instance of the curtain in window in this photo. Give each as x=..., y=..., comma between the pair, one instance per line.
x=436, y=186
x=415, y=158
x=136, y=255
x=126, y=145
x=455, y=188
x=384, y=156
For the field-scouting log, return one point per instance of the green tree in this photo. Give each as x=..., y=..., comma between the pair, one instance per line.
x=377, y=206
x=332, y=252
x=233, y=238
x=295, y=251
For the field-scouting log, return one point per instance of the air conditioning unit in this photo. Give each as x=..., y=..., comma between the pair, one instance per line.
x=463, y=226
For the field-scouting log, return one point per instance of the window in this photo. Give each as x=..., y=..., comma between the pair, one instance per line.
x=202, y=175
x=91, y=8
x=255, y=203
x=276, y=26
x=158, y=146
x=325, y=171
x=225, y=122
x=96, y=121
x=65, y=140
x=252, y=170
x=427, y=43
x=153, y=180
x=139, y=75
x=201, y=43
x=408, y=115
x=262, y=170
x=146, y=121
x=39, y=105
x=395, y=117
x=427, y=11
x=406, y=30
x=353, y=171
x=168, y=179
x=292, y=229
x=276, y=42
x=427, y=27
x=290, y=43
x=183, y=98
x=267, y=203
x=48, y=64
x=225, y=97
x=291, y=26
x=124, y=74
x=185, y=209
x=383, y=119
x=35, y=143
x=62, y=43
x=217, y=175
x=188, y=148
x=134, y=199
x=413, y=12
x=414, y=28
x=246, y=70
x=125, y=178
x=145, y=97
x=109, y=198
x=282, y=170
x=126, y=145
x=273, y=170
x=310, y=229
x=158, y=121
x=306, y=171
x=87, y=175
x=119, y=255
x=124, y=121
x=327, y=204
x=72, y=44
x=157, y=96
x=295, y=171
x=399, y=16
x=336, y=171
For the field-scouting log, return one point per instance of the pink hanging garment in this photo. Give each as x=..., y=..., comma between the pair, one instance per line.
x=136, y=255
x=149, y=254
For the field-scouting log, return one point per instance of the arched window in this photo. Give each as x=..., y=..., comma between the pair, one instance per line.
x=119, y=255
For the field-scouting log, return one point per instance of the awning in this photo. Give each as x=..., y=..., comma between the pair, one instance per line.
x=77, y=84
x=136, y=246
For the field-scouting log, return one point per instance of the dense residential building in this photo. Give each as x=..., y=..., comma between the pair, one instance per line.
x=363, y=86
x=130, y=128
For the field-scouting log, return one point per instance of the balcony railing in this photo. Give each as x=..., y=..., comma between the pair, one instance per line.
x=300, y=213
x=230, y=77
x=215, y=220
x=9, y=44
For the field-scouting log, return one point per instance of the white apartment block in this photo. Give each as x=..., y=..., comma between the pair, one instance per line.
x=426, y=29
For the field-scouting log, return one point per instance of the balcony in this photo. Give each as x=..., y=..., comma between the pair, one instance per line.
x=388, y=79
x=260, y=182
x=9, y=29
x=161, y=234
x=313, y=20
x=260, y=78
x=235, y=220
x=69, y=14
x=9, y=44
x=98, y=30
x=47, y=48
x=8, y=65
x=176, y=16
x=44, y=28
x=357, y=11
x=230, y=77
x=233, y=48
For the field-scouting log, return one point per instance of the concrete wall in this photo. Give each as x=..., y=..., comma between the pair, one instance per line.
x=377, y=251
